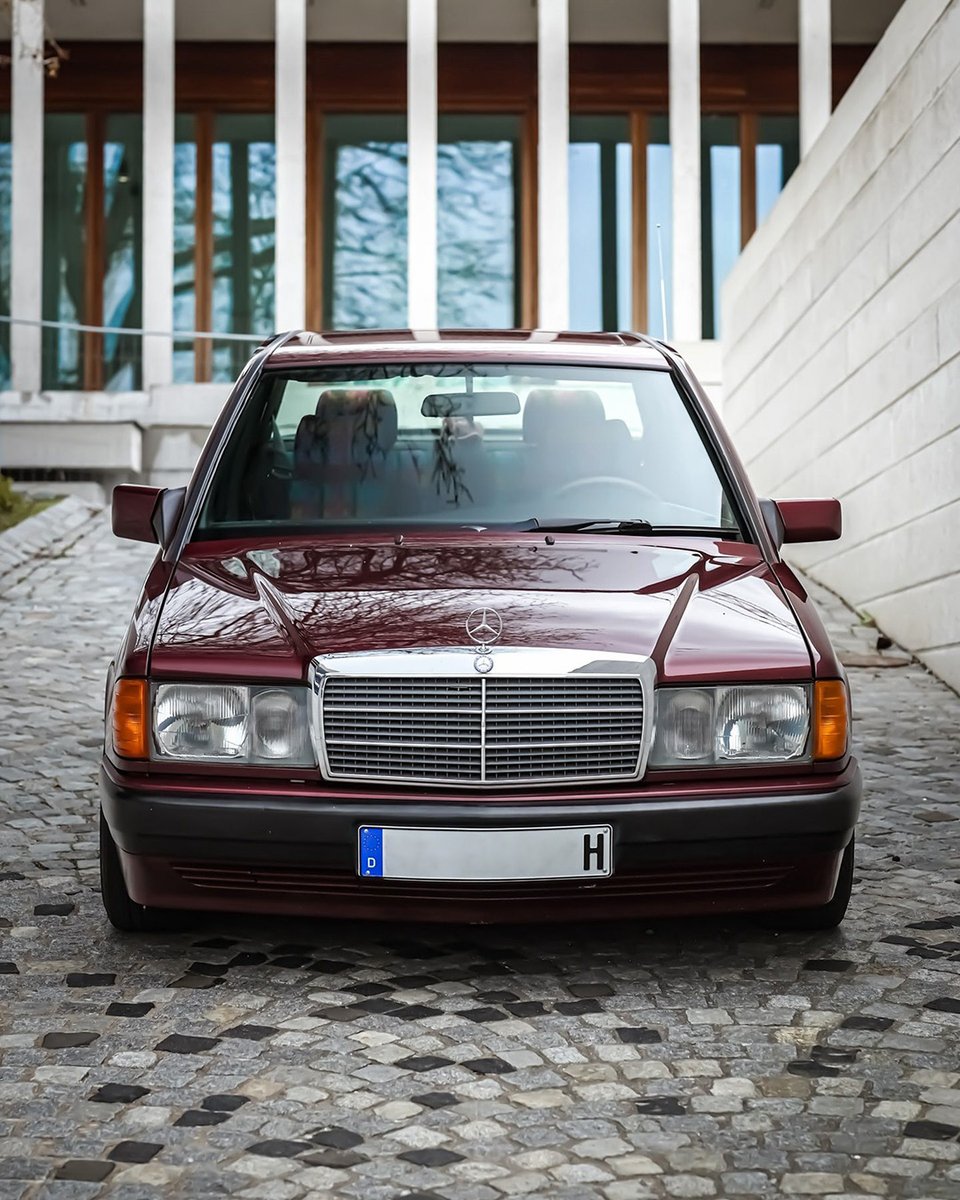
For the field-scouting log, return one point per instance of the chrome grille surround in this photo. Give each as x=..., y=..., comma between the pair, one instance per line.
x=425, y=717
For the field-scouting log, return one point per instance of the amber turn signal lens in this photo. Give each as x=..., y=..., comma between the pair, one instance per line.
x=830, y=719
x=130, y=725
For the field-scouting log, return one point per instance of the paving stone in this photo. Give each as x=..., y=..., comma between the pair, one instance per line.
x=337, y=1137
x=431, y=1156
x=135, y=1152
x=435, y=1099
x=65, y=1041
x=278, y=1148
x=200, y=1116
x=84, y=1170
x=179, y=1043
x=119, y=1009
x=119, y=1093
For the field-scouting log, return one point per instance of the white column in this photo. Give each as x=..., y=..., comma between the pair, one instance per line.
x=291, y=135
x=159, y=40
x=686, y=324
x=422, y=164
x=816, y=70
x=26, y=243
x=553, y=148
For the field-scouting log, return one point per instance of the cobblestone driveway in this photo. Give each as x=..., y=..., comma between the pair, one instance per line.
x=279, y=1060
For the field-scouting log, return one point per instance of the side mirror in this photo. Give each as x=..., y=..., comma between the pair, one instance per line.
x=146, y=514
x=802, y=520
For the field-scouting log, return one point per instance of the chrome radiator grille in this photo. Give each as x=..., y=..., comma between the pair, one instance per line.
x=477, y=731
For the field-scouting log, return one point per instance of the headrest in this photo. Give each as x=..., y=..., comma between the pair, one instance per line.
x=369, y=415
x=350, y=429
x=552, y=413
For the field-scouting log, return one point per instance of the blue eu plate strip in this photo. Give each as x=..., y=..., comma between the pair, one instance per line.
x=371, y=851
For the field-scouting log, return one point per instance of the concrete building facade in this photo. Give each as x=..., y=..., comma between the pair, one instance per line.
x=841, y=359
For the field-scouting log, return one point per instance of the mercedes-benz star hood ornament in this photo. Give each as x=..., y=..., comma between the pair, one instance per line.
x=484, y=626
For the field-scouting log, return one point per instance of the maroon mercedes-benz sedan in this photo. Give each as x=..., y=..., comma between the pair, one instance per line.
x=474, y=626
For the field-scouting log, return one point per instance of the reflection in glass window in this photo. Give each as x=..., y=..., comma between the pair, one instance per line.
x=64, y=274
x=600, y=223
x=244, y=213
x=6, y=166
x=122, y=210
x=778, y=153
x=720, y=210
x=184, y=245
x=365, y=234
x=659, y=212
x=476, y=221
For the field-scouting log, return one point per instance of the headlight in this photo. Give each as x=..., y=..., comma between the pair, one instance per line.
x=259, y=726
x=731, y=725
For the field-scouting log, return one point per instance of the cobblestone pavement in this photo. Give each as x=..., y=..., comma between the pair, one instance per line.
x=277, y=1060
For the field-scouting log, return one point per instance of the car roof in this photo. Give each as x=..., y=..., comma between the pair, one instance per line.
x=306, y=348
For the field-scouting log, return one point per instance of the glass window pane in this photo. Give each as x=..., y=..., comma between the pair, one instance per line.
x=244, y=212
x=720, y=210
x=6, y=177
x=347, y=445
x=659, y=213
x=184, y=245
x=122, y=212
x=601, y=229
x=365, y=235
x=476, y=221
x=64, y=275
x=778, y=153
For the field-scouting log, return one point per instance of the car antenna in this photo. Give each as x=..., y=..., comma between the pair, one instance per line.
x=663, y=284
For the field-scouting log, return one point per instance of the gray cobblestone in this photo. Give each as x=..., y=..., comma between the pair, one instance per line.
x=579, y=1114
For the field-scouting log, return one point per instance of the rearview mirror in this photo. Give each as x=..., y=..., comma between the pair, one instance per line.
x=146, y=514
x=471, y=404
x=802, y=520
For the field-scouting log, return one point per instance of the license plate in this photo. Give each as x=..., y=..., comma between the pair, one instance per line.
x=485, y=855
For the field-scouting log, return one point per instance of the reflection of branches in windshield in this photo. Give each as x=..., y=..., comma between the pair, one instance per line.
x=448, y=474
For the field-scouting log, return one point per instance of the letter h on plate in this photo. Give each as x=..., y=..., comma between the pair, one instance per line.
x=593, y=852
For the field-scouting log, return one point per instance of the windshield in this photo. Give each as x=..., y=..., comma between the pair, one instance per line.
x=466, y=444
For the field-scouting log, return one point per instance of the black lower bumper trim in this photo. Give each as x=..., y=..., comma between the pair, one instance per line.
x=235, y=828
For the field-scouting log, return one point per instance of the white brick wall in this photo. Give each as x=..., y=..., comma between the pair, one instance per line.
x=841, y=358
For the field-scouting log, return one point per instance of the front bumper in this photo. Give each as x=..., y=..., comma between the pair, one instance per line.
x=674, y=853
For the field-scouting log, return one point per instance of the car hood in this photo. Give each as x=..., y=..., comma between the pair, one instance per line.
x=704, y=610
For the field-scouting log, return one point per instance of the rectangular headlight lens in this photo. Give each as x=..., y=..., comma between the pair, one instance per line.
x=730, y=725
x=255, y=726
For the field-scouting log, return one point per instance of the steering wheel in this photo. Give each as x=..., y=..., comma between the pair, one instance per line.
x=579, y=485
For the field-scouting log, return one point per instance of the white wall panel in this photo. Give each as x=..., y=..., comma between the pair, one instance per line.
x=842, y=351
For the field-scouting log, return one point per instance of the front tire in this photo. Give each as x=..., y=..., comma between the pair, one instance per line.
x=123, y=913
x=825, y=916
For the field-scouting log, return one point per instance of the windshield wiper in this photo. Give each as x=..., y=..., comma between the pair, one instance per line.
x=601, y=525
x=637, y=527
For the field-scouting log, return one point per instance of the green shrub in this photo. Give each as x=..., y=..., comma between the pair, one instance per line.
x=14, y=506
